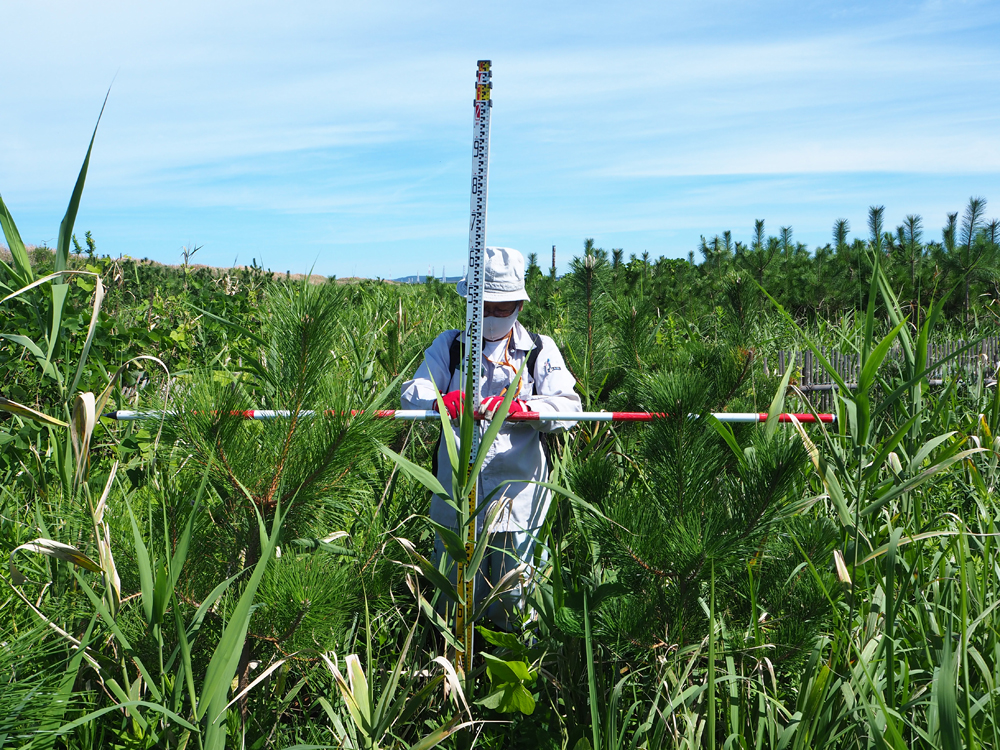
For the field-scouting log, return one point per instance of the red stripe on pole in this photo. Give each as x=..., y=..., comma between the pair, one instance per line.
x=804, y=418
x=635, y=416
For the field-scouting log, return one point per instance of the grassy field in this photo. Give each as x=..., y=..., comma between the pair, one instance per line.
x=204, y=581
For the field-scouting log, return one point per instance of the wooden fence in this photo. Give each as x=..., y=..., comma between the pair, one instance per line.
x=811, y=378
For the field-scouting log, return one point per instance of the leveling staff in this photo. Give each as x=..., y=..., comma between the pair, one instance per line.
x=518, y=454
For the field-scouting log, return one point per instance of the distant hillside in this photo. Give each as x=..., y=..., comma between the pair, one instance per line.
x=42, y=254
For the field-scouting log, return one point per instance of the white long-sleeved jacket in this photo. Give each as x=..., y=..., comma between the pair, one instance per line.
x=517, y=452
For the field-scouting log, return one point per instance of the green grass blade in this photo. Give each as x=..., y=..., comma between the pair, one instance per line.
x=890, y=399
x=22, y=263
x=225, y=659
x=466, y=427
x=595, y=719
x=419, y=473
x=27, y=343
x=66, y=226
x=383, y=718
x=87, y=718
x=918, y=480
x=946, y=698
x=866, y=341
x=117, y=631
x=888, y=447
x=448, y=436
x=875, y=359
x=145, y=565
x=58, y=292
x=827, y=366
x=91, y=330
x=778, y=402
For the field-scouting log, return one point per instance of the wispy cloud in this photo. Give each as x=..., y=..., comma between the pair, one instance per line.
x=346, y=130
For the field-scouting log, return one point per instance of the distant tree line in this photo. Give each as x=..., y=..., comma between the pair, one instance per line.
x=827, y=282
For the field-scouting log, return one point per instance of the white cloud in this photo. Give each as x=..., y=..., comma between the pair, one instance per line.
x=363, y=111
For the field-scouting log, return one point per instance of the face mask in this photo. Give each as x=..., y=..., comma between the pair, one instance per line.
x=495, y=329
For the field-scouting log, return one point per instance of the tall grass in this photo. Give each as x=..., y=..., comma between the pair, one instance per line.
x=212, y=582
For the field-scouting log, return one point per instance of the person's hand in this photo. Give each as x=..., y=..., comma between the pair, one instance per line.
x=489, y=406
x=453, y=402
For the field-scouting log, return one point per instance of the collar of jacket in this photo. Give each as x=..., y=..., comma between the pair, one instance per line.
x=522, y=339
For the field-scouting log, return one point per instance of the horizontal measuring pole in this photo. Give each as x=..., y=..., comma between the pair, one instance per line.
x=419, y=415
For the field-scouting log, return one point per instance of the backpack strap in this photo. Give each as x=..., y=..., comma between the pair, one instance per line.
x=455, y=355
x=536, y=339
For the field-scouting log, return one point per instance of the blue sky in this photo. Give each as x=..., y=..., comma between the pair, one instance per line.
x=338, y=136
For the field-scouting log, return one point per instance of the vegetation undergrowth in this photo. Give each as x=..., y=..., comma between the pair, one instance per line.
x=198, y=579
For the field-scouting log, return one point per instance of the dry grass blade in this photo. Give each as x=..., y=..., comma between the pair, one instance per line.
x=81, y=428
x=102, y=532
x=53, y=549
x=94, y=316
x=260, y=678
x=12, y=407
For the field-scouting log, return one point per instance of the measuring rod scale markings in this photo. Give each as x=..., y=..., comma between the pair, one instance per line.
x=475, y=279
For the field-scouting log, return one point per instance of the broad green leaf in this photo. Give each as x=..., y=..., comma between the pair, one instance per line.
x=501, y=670
x=246, y=332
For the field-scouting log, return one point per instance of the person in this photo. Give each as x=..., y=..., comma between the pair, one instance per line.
x=517, y=457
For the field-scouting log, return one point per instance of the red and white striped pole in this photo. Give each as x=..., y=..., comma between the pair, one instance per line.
x=419, y=415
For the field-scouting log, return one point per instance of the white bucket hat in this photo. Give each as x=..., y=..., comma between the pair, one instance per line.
x=504, y=274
